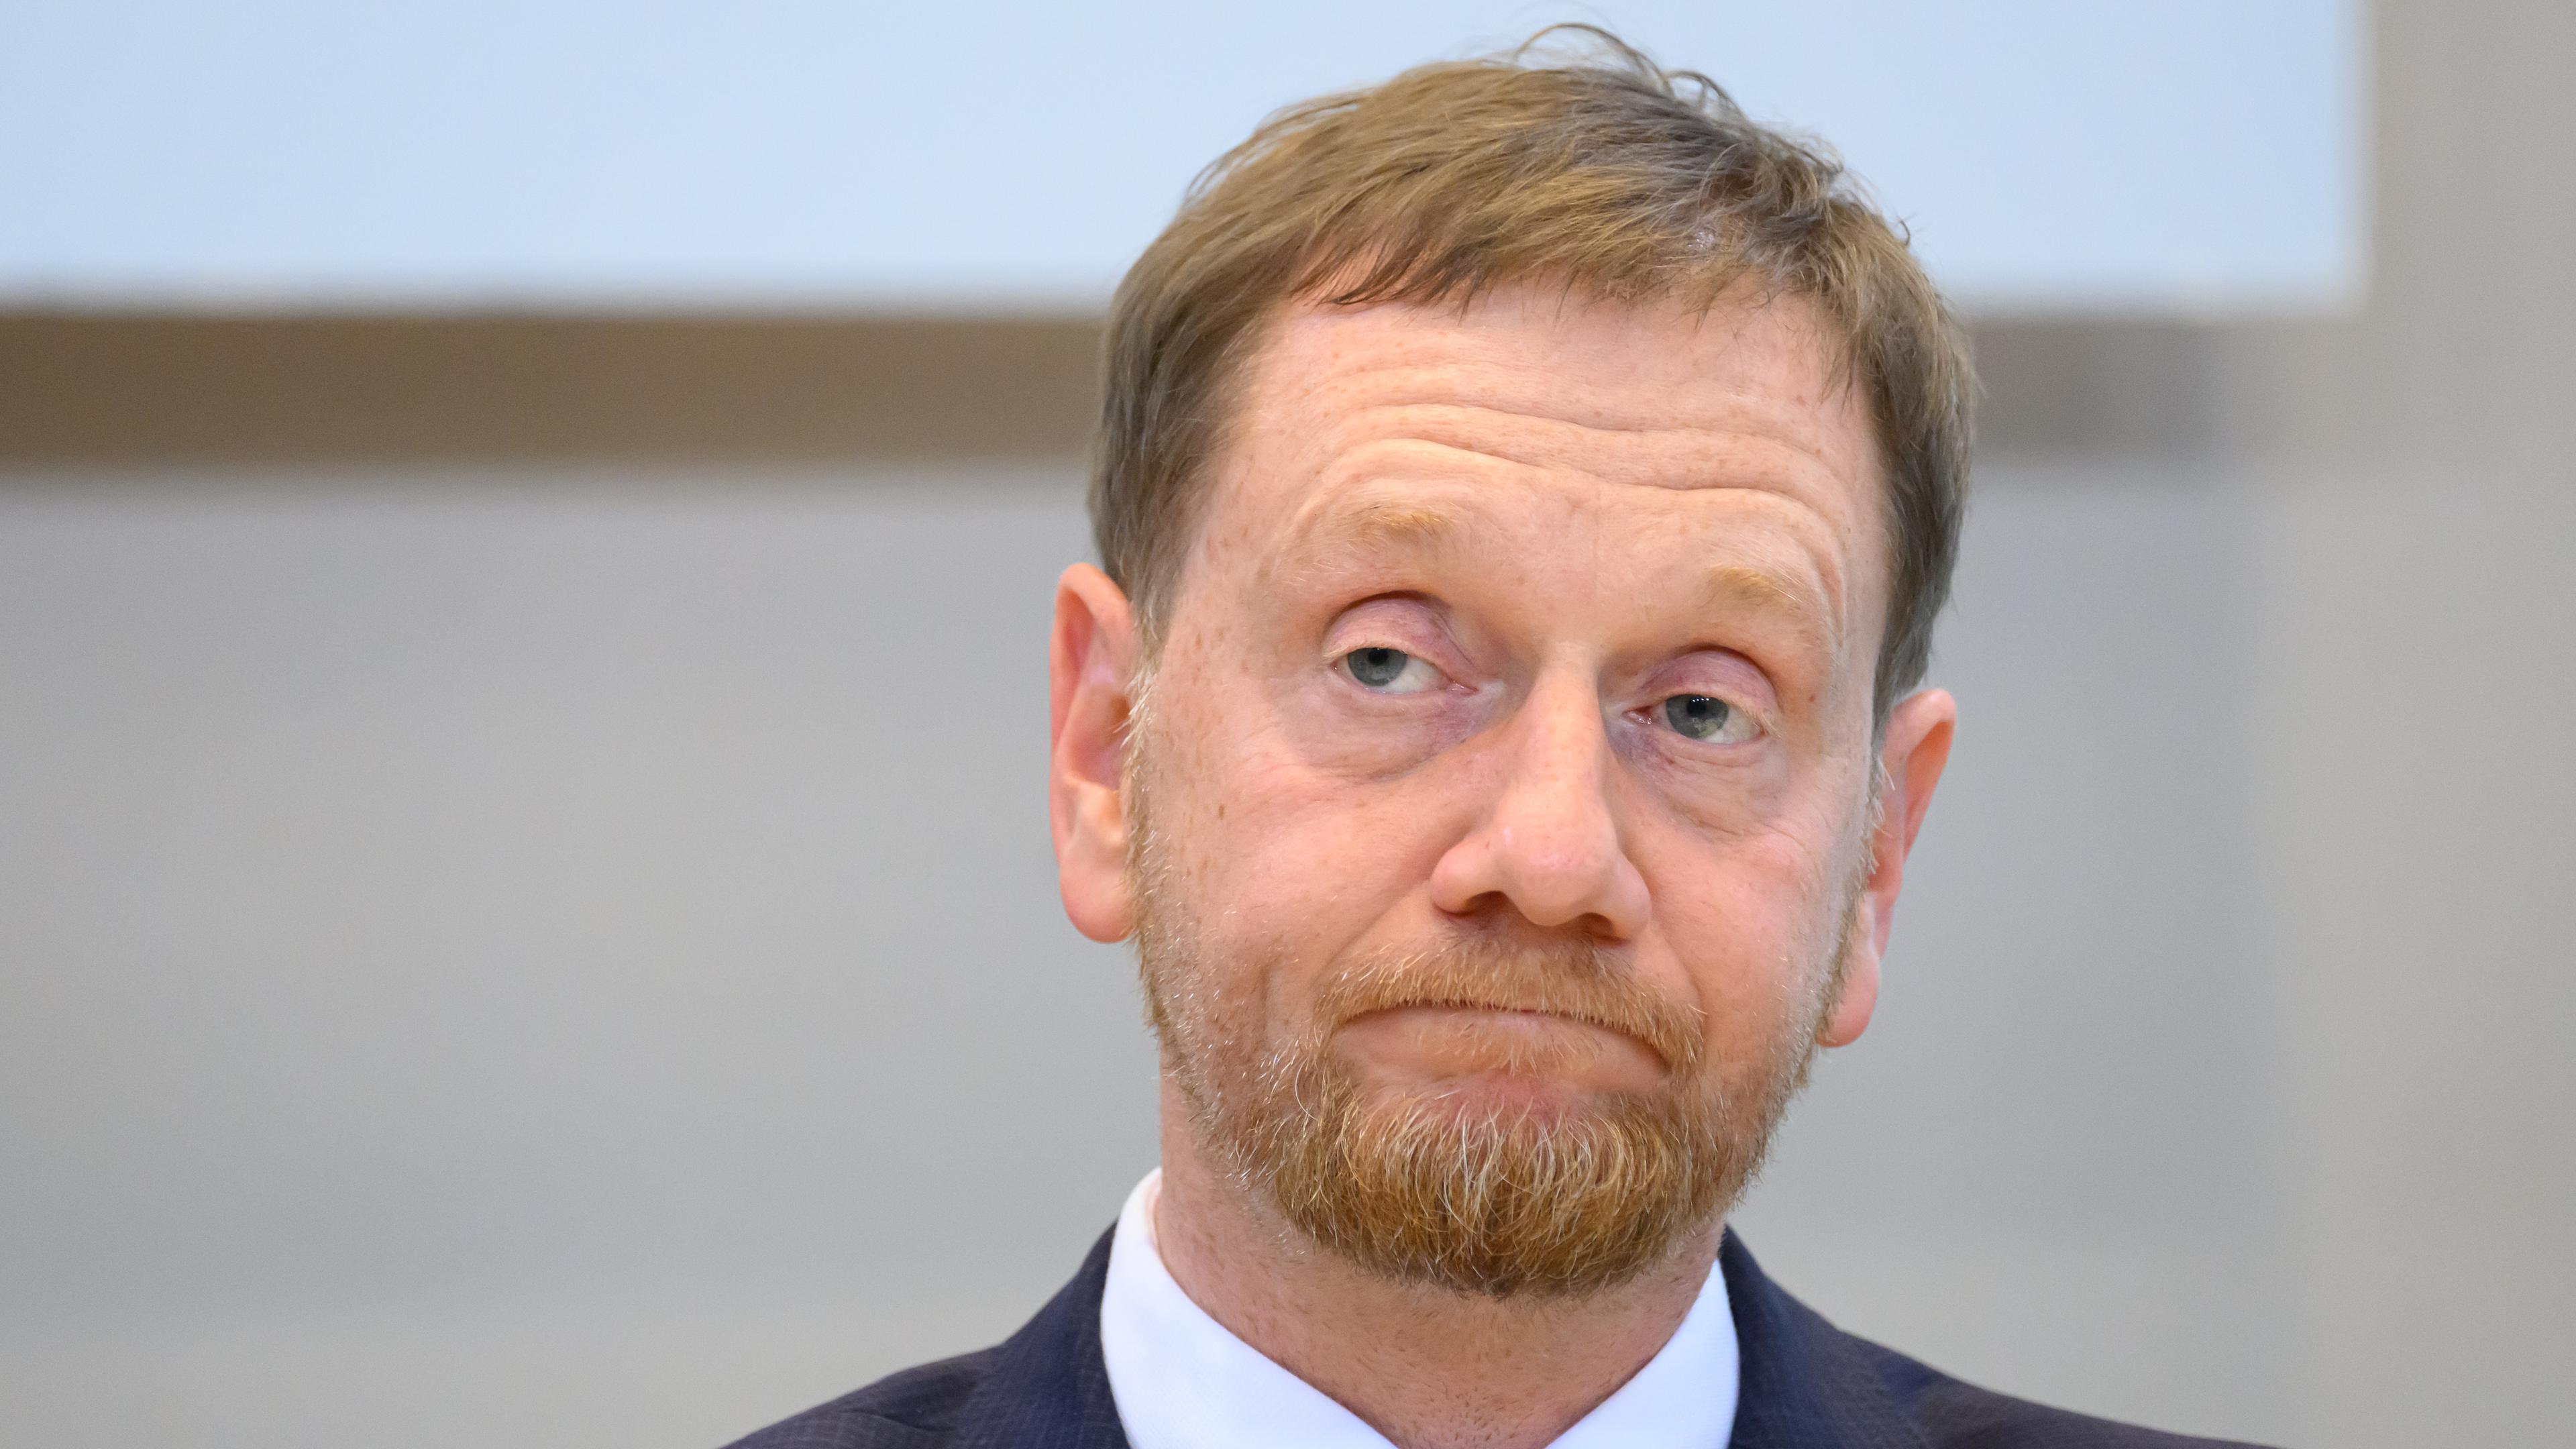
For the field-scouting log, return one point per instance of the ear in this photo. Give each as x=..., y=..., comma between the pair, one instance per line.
x=1090, y=660
x=1912, y=754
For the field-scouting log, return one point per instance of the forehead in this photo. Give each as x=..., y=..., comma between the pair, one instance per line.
x=1735, y=423
x=1765, y=368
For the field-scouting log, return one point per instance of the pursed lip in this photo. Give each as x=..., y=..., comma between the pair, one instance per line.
x=1498, y=1009
x=1539, y=1025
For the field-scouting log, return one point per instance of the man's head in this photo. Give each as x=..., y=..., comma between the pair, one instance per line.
x=1525, y=492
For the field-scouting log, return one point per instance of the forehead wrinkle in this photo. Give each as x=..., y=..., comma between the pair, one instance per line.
x=1329, y=521
x=1722, y=451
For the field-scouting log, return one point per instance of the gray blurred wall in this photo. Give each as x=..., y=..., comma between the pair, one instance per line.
x=543, y=933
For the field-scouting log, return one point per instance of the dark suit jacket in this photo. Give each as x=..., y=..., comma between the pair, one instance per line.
x=1806, y=1385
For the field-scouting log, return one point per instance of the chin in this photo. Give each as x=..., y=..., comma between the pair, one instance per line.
x=1495, y=1182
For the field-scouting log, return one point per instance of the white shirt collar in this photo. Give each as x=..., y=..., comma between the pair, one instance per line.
x=1182, y=1380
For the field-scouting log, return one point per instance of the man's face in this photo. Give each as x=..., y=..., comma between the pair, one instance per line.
x=1500, y=804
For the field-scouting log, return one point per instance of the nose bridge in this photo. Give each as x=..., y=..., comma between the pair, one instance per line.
x=1559, y=761
x=1550, y=842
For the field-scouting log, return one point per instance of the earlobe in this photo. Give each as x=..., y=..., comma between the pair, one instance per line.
x=1912, y=754
x=1091, y=659
x=1856, y=995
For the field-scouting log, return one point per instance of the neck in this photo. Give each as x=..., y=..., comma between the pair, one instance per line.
x=1427, y=1367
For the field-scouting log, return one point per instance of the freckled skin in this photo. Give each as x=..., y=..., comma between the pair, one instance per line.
x=1570, y=513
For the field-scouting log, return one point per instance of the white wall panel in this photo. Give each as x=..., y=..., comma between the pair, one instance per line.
x=1000, y=153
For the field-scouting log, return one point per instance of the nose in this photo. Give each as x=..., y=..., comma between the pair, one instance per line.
x=1548, y=844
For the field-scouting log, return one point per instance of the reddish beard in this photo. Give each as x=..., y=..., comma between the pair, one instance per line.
x=1441, y=1187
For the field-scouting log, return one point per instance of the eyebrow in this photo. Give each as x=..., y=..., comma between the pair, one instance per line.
x=1384, y=523
x=1740, y=587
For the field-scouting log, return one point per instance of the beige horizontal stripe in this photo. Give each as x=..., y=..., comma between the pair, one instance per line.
x=122, y=390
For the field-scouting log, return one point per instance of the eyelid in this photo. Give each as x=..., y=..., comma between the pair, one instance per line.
x=1357, y=627
x=1719, y=673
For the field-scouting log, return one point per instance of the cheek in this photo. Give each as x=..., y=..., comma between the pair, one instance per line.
x=1285, y=832
x=1303, y=859
x=1748, y=937
x=1283, y=864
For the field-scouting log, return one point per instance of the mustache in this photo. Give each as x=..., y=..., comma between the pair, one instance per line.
x=1580, y=981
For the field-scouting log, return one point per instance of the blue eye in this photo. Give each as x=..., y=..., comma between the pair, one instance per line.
x=1390, y=671
x=1377, y=668
x=1706, y=717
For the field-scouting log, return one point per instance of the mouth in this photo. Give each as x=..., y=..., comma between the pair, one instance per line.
x=1450, y=1041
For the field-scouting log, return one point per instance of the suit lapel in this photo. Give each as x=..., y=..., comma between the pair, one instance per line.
x=1048, y=1387
x=1804, y=1385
